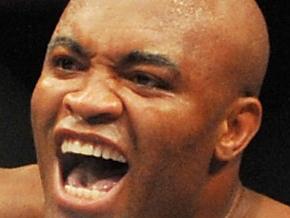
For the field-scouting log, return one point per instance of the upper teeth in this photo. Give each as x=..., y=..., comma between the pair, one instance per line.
x=78, y=147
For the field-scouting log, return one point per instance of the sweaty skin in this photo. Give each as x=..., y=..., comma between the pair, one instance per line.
x=171, y=84
x=21, y=193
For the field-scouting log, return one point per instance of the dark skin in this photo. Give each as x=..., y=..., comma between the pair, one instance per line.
x=29, y=201
x=21, y=193
x=194, y=86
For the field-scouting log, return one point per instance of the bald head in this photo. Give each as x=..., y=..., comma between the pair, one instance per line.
x=246, y=30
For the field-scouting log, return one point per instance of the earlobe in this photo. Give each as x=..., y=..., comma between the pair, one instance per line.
x=239, y=127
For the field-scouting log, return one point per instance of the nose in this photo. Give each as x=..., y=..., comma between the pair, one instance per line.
x=94, y=103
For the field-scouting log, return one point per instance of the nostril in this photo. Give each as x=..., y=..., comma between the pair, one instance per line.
x=68, y=102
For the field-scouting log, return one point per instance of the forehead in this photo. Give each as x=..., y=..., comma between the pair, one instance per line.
x=149, y=10
x=172, y=18
x=170, y=26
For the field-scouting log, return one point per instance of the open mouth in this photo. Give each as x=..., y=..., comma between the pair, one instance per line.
x=90, y=171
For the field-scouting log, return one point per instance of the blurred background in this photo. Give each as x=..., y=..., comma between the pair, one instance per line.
x=25, y=28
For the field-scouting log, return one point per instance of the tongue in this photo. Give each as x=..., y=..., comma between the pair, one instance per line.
x=93, y=174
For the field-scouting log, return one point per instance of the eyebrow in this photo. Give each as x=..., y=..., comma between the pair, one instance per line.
x=133, y=58
x=69, y=43
x=147, y=58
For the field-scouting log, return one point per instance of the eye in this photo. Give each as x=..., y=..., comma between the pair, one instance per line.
x=67, y=63
x=147, y=80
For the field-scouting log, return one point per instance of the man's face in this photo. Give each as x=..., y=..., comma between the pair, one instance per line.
x=127, y=111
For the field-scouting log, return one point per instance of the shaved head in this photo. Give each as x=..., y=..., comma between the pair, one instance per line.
x=246, y=30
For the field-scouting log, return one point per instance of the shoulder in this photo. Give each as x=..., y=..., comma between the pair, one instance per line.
x=261, y=206
x=20, y=179
x=20, y=192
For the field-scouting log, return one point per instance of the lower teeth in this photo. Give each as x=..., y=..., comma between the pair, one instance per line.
x=83, y=192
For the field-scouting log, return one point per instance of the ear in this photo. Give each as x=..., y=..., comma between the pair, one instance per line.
x=240, y=126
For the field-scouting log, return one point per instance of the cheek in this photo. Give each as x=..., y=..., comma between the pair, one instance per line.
x=45, y=103
x=173, y=151
x=165, y=130
x=170, y=131
x=167, y=123
x=173, y=137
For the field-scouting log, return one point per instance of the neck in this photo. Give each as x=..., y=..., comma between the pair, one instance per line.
x=221, y=195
